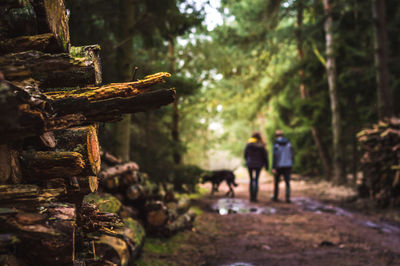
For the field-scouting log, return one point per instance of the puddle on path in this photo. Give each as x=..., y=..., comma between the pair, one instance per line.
x=239, y=264
x=308, y=204
x=228, y=205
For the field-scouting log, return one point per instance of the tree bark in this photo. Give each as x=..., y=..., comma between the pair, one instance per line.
x=338, y=155
x=304, y=91
x=385, y=92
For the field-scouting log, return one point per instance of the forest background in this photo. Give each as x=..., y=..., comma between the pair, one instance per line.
x=262, y=65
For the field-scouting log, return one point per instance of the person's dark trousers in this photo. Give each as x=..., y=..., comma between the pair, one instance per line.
x=254, y=173
x=285, y=171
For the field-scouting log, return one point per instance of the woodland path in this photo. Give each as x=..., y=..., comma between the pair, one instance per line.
x=304, y=232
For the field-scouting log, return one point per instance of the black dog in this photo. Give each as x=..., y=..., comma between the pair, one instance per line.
x=217, y=176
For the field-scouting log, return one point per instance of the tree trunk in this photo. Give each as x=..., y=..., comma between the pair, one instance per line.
x=304, y=91
x=122, y=132
x=175, y=111
x=385, y=92
x=338, y=155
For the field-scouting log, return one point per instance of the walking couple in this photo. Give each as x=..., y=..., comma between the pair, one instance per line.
x=256, y=157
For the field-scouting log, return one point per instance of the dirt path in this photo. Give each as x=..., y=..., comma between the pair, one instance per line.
x=304, y=232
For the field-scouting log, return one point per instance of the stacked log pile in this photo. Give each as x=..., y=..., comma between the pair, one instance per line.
x=381, y=162
x=162, y=211
x=51, y=99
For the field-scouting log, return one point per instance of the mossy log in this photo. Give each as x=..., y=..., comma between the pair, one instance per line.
x=175, y=209
x=120, y=245
x=93, y=53
x=46, y=236
x=112, y=99
x=184, y=221
x=145, y=190
x=18, y=119
x=49, y=70
x=20, y=18
x=83, y=140
x=45, y=43
x=43, y=165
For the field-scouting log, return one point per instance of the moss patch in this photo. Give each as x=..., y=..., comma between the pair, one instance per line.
x=104, y=201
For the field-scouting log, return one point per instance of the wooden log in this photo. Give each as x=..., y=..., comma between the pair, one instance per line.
x=46, y=237
x=22, y=121
x=5, y=163
x=17, y=18
x=156, y=214
x=52, y=17
x=93, y=220
x=93, y=53
x=144, y=190
x=118, y=170
x=184, y=221
x=83, y=184
x=85, y=141
x=16, y=170
x=50, y=164
x=175, y=209
x=109, y=159
x=24, y=193
x=45, y=43
x=20, y=18
x=49, y=70
x=121, y=245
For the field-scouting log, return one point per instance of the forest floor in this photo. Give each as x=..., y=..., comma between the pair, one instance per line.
x=322, y=226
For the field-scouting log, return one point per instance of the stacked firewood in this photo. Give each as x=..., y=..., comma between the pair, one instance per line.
x=381, y=162
x=51, y=99
x=161, y=210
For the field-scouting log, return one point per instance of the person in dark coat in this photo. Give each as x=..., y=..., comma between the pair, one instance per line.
x=282, y=163
x=256, y=157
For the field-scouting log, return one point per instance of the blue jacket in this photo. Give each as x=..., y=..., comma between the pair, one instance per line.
x=283, y=153
x=255, y=154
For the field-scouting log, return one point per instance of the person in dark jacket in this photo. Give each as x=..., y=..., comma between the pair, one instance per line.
x=282, y=163
x=256, y=157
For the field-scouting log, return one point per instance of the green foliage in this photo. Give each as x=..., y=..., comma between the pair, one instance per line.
x=186, y=177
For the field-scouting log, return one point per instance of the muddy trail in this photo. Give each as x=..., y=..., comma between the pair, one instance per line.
x=307, y=231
